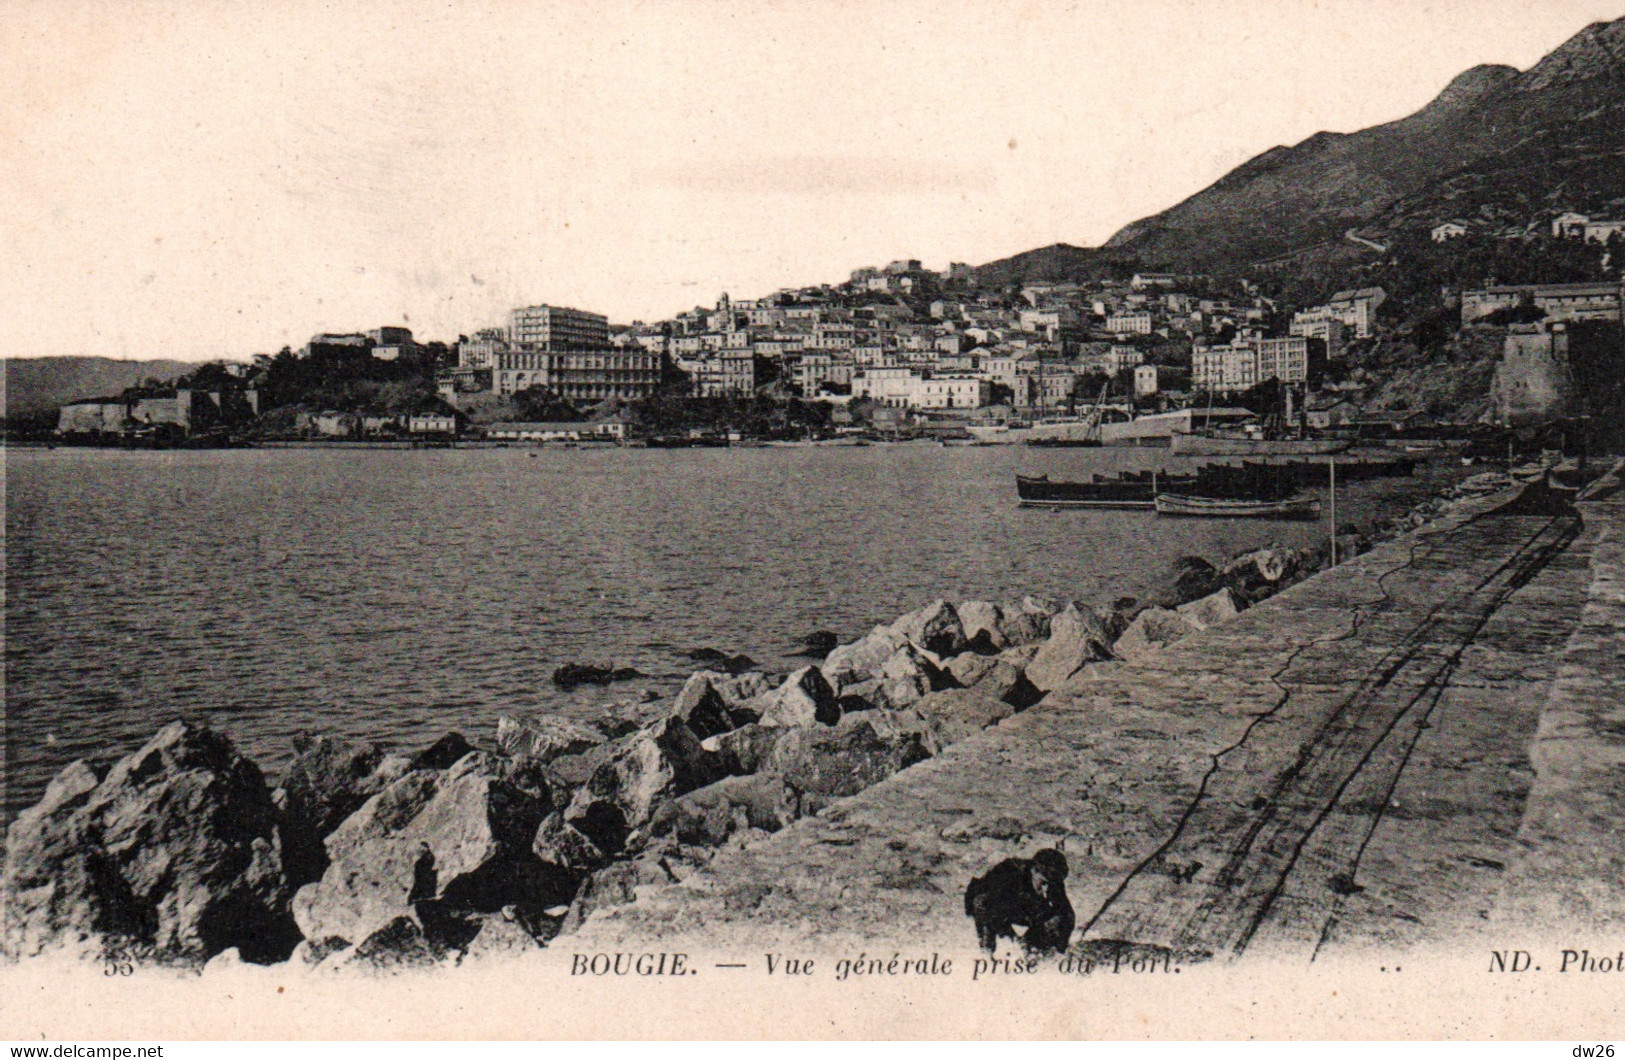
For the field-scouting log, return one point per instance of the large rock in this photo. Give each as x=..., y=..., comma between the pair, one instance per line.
x=745, y=749
x=443, y=753
x=660, y=763
x=859, y=661
x=328, y=780
x=1007, y=683
x=1152, y=630
x=905, y=677
x=968, y=667
x=981, y=621
x=701, y=708
x=737, y=690
x=570, y=771
x=1211, y=610
x=805, y=698
x=935, y=627
x=1264, y=567
x=1076, y=639
x=713, y=703
x=707, y=817
x=501, y=937
x=546, y=737
x=568, y=850
x=614, y=885
x=960, y=712
x=173, y=851
x=822, y=764
x=1187, y=578
x=1026, y=622
x=428, y=848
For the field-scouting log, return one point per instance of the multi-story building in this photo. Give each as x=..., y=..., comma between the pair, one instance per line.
x=951, y=392
x=1284, y=359
x=1246, y=362
x=907, y=388
x=578, y=375
x=596, y=375
x=724, y=375
x=888, y=386
x=813, y=370
x=1358, y=309
x=1559, y=301
x=1224, y=369
x=1319, y=324
x=548, y=327
x=481, y=350
x=1129, y=323
x=1045, y=386
x=833, y=335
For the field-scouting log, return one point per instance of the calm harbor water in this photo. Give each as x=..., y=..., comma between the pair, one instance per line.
x=394, y=595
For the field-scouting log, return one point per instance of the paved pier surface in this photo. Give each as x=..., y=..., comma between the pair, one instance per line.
x=1422, y=747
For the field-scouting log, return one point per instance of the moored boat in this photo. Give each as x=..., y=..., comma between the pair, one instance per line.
x=1233, y=508
x=1212, y=444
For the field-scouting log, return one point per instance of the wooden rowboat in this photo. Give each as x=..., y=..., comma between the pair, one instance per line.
x=1226, y=508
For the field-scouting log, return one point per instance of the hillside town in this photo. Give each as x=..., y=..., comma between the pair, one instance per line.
x=898, y=350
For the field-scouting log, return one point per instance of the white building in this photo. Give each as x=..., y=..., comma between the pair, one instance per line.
x=1224, y=369
x=1129, y=323
x=1319, y=324
x=727, y=374
x=1358, y=309
x=1601, y=231
x=549, y=327
x=906, y=388
x=1569, y=225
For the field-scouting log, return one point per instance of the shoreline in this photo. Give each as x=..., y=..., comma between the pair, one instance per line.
x=625, y=802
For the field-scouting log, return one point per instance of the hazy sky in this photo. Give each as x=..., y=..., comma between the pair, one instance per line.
x=201, y=179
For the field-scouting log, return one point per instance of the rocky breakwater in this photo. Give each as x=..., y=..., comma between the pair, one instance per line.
x=358, y=858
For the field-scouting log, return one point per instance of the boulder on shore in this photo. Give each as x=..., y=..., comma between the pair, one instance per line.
x=712, y=703
x=1076, y=639
x=1152, y=630
x=733, y=664
x=745, y=749
x=906, y=677
x=854, y=663
x=1007, y=683
x=709, y=815
x=327, y=781
x=960, y=712
x=1026, y=622
x=967, y=668
x=1187, y=578
x=1263, y=569
x=981, y=621
x=805, y=698
x=571, y=675
x=172, y=851
x=432, y=848
x=817, y=644
x=546, y=737
x=660, y=763
x=614, y=885
x=935, y=627
x=826, y=763
x=1221, y=606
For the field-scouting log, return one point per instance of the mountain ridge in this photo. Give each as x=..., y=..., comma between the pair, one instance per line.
x=1564, y=115
x=38, y=385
